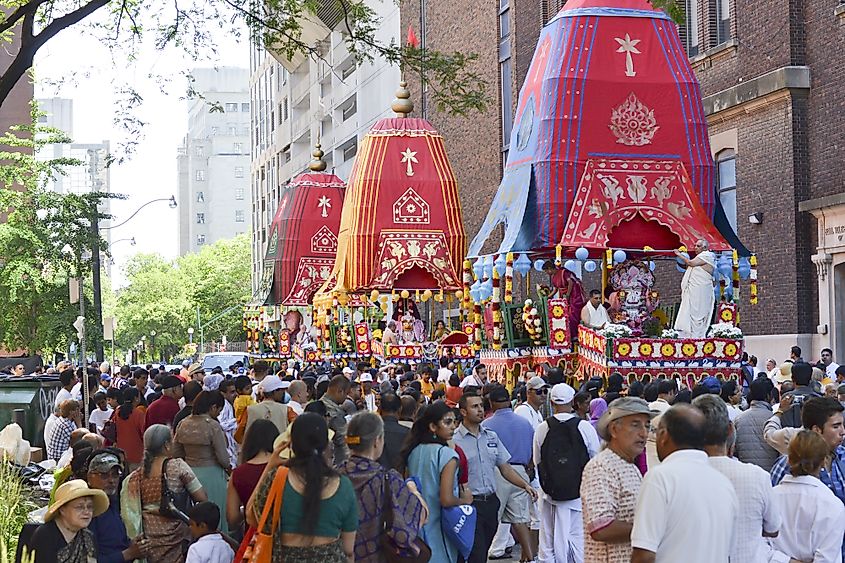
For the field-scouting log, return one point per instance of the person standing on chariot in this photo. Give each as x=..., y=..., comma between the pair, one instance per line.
x=566, y=284
x=697, y=297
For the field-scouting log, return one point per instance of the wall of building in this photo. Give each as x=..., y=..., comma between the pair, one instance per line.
x=213, y=161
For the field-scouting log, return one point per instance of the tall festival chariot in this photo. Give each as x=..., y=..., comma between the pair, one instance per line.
x=609, y=172
x=401, y=246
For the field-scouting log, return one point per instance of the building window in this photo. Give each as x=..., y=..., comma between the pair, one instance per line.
x=200, y=175
x=349, y=109
x=726, y=178
x=200, y=197
x=287, y=157
x=239, y=171
x=239, y=216
x=720, y=28
x=214, y=130
x=200, y=240
x=198, y=150
x=245, y=107
x=689, y=29
x=350, y=150
x=233, y=131
x=238, y=148
x=347, y=72
x=505, y=71
x=239, y=193
x=200, y=218
x=231, y=108
x=285, y=111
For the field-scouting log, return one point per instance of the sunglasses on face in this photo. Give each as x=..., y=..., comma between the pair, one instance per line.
x=542, y=391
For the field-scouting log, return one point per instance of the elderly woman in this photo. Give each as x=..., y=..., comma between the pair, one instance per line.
x=200, y=440
x=611, y=481
x=406, y=510
x=64, y=535
x=141, y=496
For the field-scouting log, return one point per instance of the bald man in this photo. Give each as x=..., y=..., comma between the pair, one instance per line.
x=298, y=392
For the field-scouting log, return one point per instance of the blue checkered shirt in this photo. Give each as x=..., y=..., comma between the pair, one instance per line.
x=834, y=479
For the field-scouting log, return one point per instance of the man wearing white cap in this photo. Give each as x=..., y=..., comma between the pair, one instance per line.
x=271, y=407
x=566, y=442
x=367, y=394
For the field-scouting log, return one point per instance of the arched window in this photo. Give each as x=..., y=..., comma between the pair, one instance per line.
x=726, y=183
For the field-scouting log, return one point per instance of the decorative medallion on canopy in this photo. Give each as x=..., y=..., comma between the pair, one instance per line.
x=609, y=139
x=303, y=235
x=401, y=226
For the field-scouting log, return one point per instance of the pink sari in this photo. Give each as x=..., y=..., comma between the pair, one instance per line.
x=568, y=285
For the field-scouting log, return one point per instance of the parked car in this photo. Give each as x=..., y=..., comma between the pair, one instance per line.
x=224, y=360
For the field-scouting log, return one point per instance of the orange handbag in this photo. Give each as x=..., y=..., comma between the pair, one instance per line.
x=260, y=548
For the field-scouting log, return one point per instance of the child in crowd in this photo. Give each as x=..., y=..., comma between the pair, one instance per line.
x=102, y=413
x=209, y=547
x=243, y=385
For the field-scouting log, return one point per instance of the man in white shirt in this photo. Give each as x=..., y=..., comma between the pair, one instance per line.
x=757, y=508
x=477, y=378
x=593, y=314
x=561, y=526
x=828, y=364
x=443, y=372
x=367, y=394
x=298, y=392
x=69, y=380
x=536, y=390
x=102, y=413
x=684, y=488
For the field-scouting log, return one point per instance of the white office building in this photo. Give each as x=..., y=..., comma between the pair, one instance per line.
x=213, y=161
x=298, y=102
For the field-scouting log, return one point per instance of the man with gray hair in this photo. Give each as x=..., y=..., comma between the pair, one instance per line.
x=758, y=515
x=697, y=297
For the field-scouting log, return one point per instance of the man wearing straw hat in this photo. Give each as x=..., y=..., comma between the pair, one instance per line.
x=611, y=481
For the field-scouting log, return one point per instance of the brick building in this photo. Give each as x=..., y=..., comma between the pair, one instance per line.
x=774, y=91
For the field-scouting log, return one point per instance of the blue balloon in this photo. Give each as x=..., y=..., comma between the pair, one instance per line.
x=582, y=254
x=729, y=292
x=473, y=293
x=478, y=267
x=619, y=256
x=744, y=268
x=590, y=266
x=501, y=264
x=570, y=265
x=522, y=264
x=538, y=265
x=652, y=265
x=725, y=266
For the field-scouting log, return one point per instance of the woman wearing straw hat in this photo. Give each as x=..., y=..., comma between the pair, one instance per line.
x=64, y=536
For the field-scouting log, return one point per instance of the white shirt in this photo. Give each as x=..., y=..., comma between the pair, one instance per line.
x=733, y=412
x=296, y=407
x=443, y=375
x=229, y=425
x=685, y=488
x=597, y=315
x=469, y=380
x=591, y=440
x=62, y=396
x=530, y=414
x=370, y=402
x=99, y=417
x=757, y=509
x=76, y=391
x=813, y=520
x=210, y=549
x=49, y=424
x=830, y=370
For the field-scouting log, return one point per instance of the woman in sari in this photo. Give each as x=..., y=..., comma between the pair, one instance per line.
x=408, y=512
x=567, y=285
x=141, y=495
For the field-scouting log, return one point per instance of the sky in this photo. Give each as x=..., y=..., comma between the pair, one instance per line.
x=76, y=65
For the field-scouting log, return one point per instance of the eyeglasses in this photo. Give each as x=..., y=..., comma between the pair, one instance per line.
x=542, y=391
x=82, y=508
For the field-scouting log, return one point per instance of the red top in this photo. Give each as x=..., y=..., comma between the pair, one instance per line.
x=453, y=395
x=161, y=411
x=245, y=478
x=130, y=434
x=463, y=466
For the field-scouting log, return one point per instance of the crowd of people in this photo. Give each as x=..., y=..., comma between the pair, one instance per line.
x=351, y=463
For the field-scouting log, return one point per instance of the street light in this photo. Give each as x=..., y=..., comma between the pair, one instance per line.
x=130, y=239
x=190, y=335
x=153, y=343
x=172, y=205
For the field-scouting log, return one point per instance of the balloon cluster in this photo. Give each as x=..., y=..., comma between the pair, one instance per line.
x=532, y=322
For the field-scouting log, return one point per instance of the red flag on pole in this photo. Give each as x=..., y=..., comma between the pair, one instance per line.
x=412, y=38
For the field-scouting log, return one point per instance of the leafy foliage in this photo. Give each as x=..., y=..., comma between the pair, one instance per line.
x=43, y=241
x=14, y=508
x=163, y=296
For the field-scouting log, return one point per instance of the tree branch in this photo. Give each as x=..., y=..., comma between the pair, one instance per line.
x=13, y=18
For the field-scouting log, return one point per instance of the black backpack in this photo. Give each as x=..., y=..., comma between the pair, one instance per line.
x=563, y=456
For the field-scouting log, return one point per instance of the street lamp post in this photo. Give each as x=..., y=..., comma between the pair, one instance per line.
x=153, y=344
x=190, y=335
x=95, y=262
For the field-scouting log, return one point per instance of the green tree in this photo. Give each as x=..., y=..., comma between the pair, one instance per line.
x=43, y=240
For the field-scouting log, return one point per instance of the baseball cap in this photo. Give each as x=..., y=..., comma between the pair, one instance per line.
x=562, y=394
x=712, y=384
x=536, y=382
x=285, y=384
x=271, y=383
x=365, y=377
x=170, y=382
x=348, y=371
x=105, y=377
x=499, y=395
x=186, y=363
x=104, y=462
x=621, y=407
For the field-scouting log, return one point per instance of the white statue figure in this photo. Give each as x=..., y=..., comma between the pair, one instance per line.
x=697, y=298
